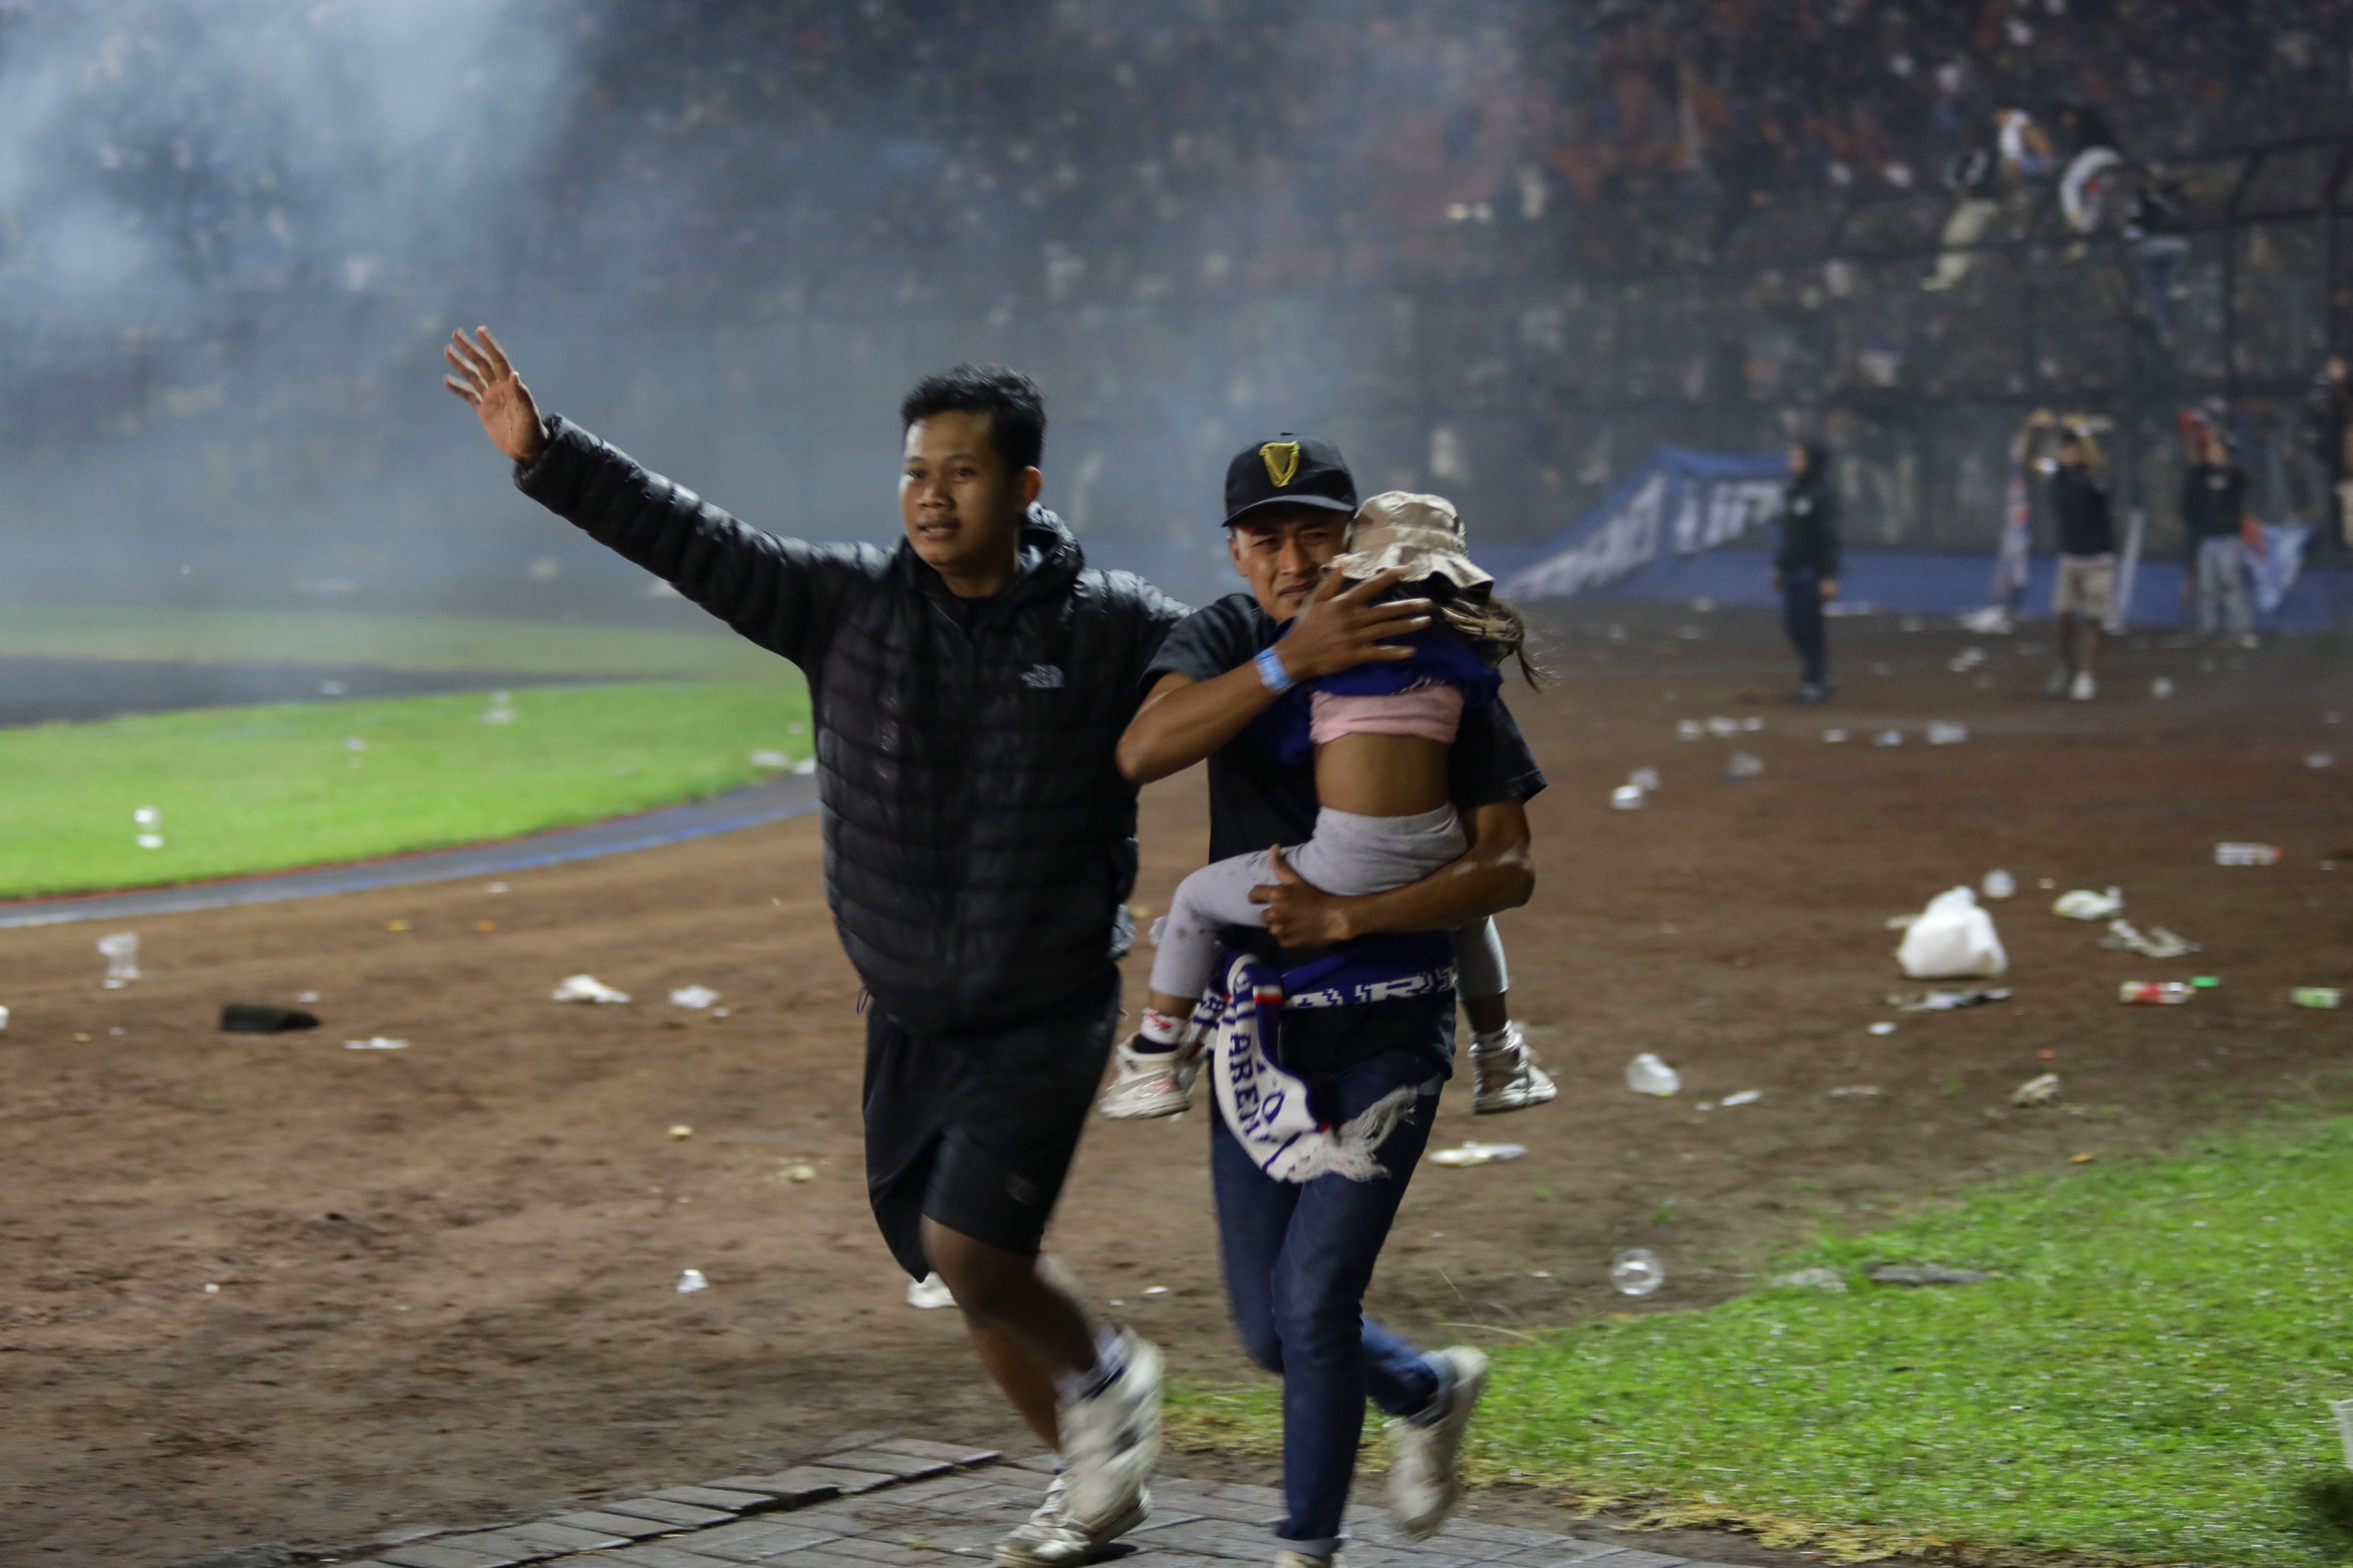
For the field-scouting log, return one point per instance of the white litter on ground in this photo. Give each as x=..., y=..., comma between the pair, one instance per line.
x=587, y=988
x=693, y=997
x=375, y=1043
x=1478, y=1153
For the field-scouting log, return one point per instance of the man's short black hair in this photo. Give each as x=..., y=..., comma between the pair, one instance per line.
x=1016, y=409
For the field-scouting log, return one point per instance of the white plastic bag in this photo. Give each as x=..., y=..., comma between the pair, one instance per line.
x=1952, y=939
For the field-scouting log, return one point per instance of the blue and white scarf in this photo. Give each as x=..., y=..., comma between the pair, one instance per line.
x=1265, y=1107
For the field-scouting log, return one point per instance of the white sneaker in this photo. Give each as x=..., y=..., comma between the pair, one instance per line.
x=1426, y=1463
x=1111, y=1441
x=1049, y=1539
x=1146, y=1084
x=1505, y=1073
x=2083, y=687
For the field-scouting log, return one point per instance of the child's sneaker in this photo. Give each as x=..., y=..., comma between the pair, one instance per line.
x=1505, y=1073
x=1150, y=1083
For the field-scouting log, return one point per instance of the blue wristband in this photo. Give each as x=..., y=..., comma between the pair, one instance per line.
x=1271, y=672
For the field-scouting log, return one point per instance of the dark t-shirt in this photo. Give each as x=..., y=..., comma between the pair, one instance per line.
x=1256, y=802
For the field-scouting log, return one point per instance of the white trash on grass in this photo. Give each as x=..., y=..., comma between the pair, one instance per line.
x=1812, y=1279
x=771, y=760
x=1478, y=1155
x=1646, y=1074
x=587, y=988
x=1953, y=938
x=2343, y=1410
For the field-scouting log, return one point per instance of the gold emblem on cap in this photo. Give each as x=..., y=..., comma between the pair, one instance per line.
x=1282, y=461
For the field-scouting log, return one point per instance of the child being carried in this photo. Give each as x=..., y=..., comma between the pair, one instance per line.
x=1380, y=734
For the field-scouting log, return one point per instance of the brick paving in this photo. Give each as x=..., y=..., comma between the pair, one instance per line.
x=906, y=1503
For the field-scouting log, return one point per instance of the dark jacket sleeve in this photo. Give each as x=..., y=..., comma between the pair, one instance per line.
x=1826, y=519
x=780, y=592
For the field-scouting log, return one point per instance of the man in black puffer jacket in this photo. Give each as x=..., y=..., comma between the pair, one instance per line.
x=969, y=689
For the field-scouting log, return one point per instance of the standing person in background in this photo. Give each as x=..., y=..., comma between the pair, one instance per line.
x=1805, y=568
x=2085, y=595
x=2213, y=517
x=2330, y=410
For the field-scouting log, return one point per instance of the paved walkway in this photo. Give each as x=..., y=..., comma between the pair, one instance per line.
x=903, y=1503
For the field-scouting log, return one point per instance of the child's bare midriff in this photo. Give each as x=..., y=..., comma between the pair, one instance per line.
x=1381, y=775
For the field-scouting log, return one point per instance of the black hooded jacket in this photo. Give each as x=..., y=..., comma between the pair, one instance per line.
x=979, y=839
x=1809, y=535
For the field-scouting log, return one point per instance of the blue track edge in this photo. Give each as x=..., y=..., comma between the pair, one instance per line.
x=770, y=801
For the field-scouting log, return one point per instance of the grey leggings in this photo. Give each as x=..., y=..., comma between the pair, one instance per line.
x=1348, y=856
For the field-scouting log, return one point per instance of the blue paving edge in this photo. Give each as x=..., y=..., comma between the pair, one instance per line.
x=772, y=800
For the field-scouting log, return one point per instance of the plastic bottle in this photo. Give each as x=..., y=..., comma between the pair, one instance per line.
x=122, y=951
x=2154, y=993
x=1646, y=1074
x=1637, y=1271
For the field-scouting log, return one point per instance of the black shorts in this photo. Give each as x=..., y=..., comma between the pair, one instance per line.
x=975, y=1131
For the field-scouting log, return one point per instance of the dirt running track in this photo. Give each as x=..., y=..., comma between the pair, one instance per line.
x=445, y=1274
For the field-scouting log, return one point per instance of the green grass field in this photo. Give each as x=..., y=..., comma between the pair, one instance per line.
x=254, y=789
x=2145, y=1381
x=394, y=642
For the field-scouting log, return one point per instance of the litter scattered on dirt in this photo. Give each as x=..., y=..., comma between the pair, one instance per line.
x=1856, y=1091
x=1888, y=738
x=1926, y=1274
x=2319, y=759
x=1952, y=939
x=2303, y=996
x=262, y=1018
x=122, y=954
x=690, y=1281
x=693, y=997
x=2246, y=855
x=1948, y=1001
x=1834, y=737
x=1626, y=797
x=1637, y=1271
x=1734, y=1101
x=2036, y=1092
x=1948, y=734
x=2161, y=688
x=2082, y=904
x=587, y=988
x=929, y=1293
x=375, y=1043
x=2154, y=942
x=2154, y=993
x=1999, y=884
x=1646, y=1074
x=680, y=1131
x=1478, y=1153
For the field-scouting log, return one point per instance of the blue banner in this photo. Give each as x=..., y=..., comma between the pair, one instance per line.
x=1679, y=502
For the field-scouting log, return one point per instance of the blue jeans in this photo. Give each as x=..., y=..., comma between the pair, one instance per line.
x=1298, y=1256
x=1801, y=617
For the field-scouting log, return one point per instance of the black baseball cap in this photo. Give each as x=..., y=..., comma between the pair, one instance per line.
x=1290, y=470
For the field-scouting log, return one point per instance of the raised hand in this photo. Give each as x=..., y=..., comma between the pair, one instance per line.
x=489, y=382
x=1341, y=627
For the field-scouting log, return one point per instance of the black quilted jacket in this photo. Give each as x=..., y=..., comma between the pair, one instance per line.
x=980, y=840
